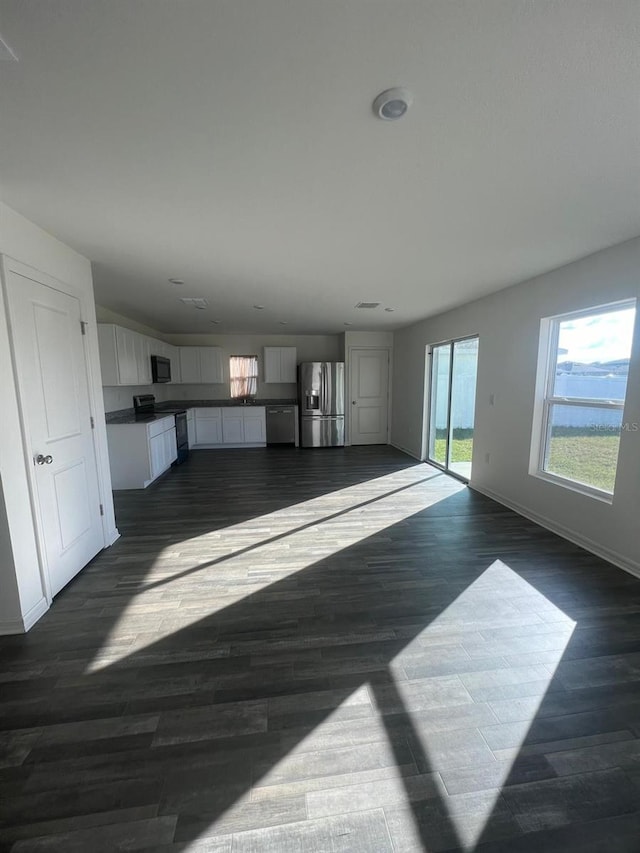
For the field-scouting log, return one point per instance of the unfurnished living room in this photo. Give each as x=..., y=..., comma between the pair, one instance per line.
x=320, y=383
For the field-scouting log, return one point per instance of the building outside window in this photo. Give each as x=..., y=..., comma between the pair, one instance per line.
x=581, y=418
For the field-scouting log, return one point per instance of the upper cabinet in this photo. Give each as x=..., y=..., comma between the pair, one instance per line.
x=280, y=364
x=125, y=356
x=201, y=365
x=120, y=354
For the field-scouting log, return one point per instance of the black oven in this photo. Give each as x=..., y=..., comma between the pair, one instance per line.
x=182, y=437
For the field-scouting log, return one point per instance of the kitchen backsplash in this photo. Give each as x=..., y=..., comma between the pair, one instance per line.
x=121, y=397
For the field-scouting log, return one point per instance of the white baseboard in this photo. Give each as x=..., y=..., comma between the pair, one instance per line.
x=21, y=626
x=11, y=626
x=405, y=450
x=112, y=536
x=607, y=554
x=31, y=617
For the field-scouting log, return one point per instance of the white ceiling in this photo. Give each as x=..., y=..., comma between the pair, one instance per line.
x=231, y=143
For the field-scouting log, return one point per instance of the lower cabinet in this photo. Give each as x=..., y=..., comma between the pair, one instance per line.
x=232, y=426
x=162, y=452
x=208, y=427
x=140, y=452
x=229, y=426
x=255, y=427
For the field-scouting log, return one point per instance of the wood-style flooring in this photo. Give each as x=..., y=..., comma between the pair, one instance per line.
x=329, y=651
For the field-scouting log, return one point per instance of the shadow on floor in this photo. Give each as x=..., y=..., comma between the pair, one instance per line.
x=185, y=687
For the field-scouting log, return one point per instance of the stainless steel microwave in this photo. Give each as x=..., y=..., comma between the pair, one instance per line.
x=160, y=368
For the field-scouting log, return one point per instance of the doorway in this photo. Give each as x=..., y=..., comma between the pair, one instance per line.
x=369, y=390
x=52, y=378
x=453, y=376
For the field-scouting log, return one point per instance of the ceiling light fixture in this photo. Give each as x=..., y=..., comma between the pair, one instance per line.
x=283, y=322
x=389, y=309
x=216, y=322
x=348, y=324
x=259, y=307
x=367, y=305
x=392, y=104
x=176, y=281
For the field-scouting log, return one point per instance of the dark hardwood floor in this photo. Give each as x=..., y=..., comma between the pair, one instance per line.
x=333, y=651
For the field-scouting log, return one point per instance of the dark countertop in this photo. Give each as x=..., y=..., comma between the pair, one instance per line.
x=163, y=410
x=127, y=416
x=205, y=404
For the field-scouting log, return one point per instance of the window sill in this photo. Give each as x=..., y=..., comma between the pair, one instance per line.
x=573, y=486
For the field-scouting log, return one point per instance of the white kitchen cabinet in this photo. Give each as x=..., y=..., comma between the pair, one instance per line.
x=208, y=426
x=143, y=359
x=125, y=356
x=189, y=364
x=211, y=364
x=254, y=422
x=173, y=354
x=232, y=425
x=228, y=426
x=280, y=364
x=140, y=452
x=119, y=354
x=201, y=365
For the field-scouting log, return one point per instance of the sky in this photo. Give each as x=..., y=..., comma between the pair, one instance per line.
x=604, y=337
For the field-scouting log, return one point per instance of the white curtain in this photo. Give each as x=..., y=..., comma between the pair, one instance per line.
x=244, y=375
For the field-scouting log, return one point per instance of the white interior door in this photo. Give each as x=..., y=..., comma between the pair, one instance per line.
x=53, y=387
x=369, y=388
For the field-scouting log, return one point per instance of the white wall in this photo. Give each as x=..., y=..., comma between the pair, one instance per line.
x=106, y=315
x=19, y=566
x=508, y=324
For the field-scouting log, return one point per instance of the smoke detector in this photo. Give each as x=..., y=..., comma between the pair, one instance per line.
x=392, y=104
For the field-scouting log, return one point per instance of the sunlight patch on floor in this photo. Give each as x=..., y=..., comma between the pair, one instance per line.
x=204, y=575
x=482, y=635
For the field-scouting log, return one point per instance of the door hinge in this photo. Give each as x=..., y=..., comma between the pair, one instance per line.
x=83, y=327
x=101, y=510
x=93, y=423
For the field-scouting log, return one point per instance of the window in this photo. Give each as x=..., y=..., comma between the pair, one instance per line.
x=243, y=370
x=454, y=369
x=584, y=393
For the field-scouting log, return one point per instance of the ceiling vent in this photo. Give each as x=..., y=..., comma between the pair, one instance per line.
x=6, y=52
x=367, y=304
x=194, y=301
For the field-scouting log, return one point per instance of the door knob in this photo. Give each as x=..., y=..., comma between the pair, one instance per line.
x=43, y=460
x=353, y=402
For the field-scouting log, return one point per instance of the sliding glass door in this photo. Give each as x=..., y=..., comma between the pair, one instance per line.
x=454, y=368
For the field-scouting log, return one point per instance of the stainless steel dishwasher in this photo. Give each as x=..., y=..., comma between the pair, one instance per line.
x=281, y=424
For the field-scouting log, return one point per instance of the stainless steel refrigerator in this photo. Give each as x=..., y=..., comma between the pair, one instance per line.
x=321, y=393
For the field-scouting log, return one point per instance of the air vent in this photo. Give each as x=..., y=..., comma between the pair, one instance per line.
x=367, y=304
x=6, y=52
x=194, y=301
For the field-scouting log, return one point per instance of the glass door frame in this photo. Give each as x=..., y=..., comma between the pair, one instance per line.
x=429, y=385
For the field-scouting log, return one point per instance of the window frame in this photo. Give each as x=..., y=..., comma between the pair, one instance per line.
x=550, y=335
